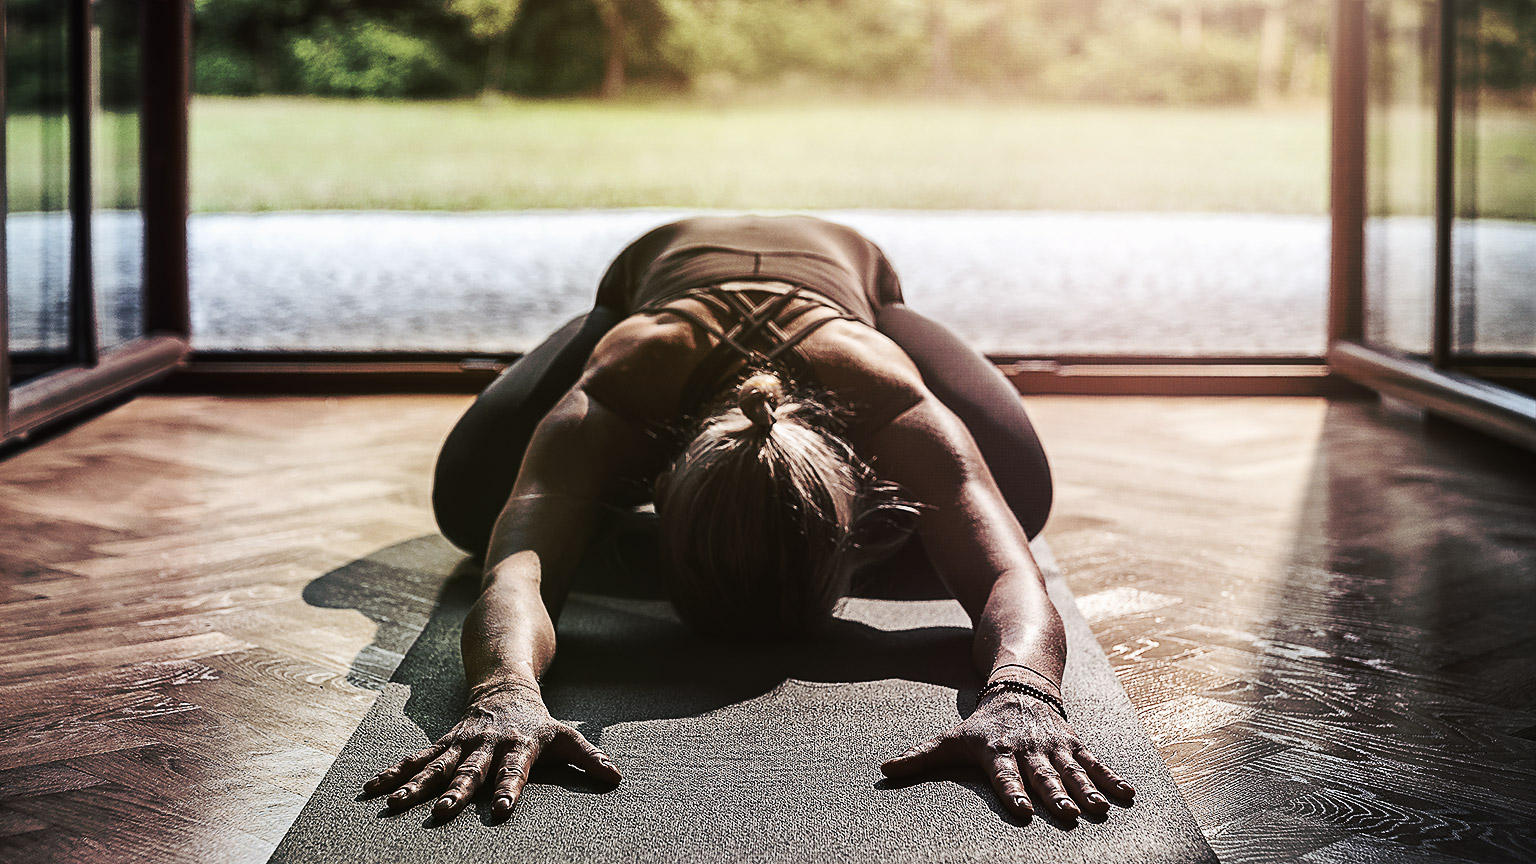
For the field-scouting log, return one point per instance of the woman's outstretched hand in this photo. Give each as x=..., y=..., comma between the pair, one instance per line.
x=502, y=734
x=1014, y=736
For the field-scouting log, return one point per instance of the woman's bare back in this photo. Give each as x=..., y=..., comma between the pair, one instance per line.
x=640, y=367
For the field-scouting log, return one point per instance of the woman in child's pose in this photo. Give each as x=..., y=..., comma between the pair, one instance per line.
x=762, y=382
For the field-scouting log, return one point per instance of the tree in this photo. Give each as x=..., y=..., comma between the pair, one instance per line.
x=613, y=47
x=941, y=72
x=1272, y=38
x=256, y=27
x=490, y=21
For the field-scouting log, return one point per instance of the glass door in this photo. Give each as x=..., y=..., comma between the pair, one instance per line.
x=1400, y=164
x=117, y=220
x=1492, y=326
x=1435, y=201
x=94, y=235
x=39, y=228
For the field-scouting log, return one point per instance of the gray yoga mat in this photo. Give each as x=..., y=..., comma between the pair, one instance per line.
x=743, y=752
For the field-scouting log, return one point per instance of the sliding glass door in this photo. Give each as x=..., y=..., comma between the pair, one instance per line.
x=117, y=219
x=39, y=228
x=1435, y=199
x=92, y=300
x=1492, y=326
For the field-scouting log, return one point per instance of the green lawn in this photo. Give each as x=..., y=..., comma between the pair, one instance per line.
x=283, y=154
x=301, y=154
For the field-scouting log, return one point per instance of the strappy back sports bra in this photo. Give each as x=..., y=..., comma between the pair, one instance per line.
x=765, y=334
x=765, y=273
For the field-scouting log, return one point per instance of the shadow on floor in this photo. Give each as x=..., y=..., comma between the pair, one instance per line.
x=397, y=588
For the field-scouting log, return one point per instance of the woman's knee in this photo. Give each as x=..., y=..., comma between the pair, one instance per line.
x=479, y=460
x=458, y=493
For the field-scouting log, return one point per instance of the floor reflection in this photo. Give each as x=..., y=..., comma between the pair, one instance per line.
x=1396, y=672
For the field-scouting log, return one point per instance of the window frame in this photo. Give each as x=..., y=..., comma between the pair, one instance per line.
x=93, y=377
x=1484, y=392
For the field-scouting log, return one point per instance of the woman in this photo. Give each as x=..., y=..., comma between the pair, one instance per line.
x=761, y=380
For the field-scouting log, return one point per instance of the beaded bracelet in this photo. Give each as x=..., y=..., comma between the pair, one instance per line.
x=1027, y=690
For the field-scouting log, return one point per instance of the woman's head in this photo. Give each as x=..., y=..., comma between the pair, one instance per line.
x=756, y=513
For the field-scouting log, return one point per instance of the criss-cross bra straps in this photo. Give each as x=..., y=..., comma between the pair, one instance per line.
x=760, y=336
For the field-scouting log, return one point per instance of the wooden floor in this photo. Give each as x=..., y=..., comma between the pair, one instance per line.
x=1323, y=614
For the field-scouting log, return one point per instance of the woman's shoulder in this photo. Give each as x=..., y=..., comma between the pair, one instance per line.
x=638, y=367
x=866, y=372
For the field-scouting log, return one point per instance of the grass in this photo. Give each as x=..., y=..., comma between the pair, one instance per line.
x=1496, y=165
x=307, y=154
x=286, y=154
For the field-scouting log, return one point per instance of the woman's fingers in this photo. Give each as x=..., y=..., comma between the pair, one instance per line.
x=936, y=752
x=573, y=747
x=1104, y=778
x=1080, y=784
x=395, y=774
x=456, y=772
x=512, y=776
x=427, y=781
x=1009, y=785
x=465, y=781
x=1047, y=784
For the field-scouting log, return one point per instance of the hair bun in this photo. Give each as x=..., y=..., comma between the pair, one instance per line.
x=758, y=396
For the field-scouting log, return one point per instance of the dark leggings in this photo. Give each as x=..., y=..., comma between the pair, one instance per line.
x=480, y=460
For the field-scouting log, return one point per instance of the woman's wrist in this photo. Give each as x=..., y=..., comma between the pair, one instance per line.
x=1025, y=675
x=1002, y=686
x=509, y=685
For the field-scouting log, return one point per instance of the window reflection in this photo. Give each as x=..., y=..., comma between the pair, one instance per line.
x=1400, y=228
x=37, y=227
x=117, y=228
x=1494, y=233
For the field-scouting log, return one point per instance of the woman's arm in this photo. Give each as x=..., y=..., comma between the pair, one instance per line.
x=983, y=556
x=578, y=453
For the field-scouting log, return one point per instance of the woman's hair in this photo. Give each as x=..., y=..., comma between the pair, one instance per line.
x=757, y=513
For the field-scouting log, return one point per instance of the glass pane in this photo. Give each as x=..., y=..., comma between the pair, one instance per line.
x=1494, y=249
x=1048, y=176
x=1400, y=153
x=117, y=227
x=37, y=225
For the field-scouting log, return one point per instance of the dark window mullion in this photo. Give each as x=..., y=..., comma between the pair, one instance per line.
x=5, y=209
x=165, y=34
x=1445, y=188
x=1347, y=188
x=84, y=342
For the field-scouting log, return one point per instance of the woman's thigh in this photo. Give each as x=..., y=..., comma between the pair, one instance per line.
x=971, y=386
x=480, y=459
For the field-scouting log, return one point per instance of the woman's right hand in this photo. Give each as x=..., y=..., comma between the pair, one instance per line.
x=503, y=732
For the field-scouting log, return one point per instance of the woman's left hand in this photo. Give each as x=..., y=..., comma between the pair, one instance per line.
x=1013, y=736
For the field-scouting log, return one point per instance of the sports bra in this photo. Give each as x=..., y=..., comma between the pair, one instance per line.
x=757, y=271
x=834, y=261
x=763, y=337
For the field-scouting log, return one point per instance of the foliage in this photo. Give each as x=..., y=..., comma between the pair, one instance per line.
x=488, y=19
x=557, y=49
x=36, y=46
x=226, y=71
x=1498, y=45
x=366, y=59
x=1149, y=64
x=727, y=41
x=1164, y=51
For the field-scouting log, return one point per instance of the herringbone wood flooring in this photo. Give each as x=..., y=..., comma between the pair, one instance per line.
x=1321, y=614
